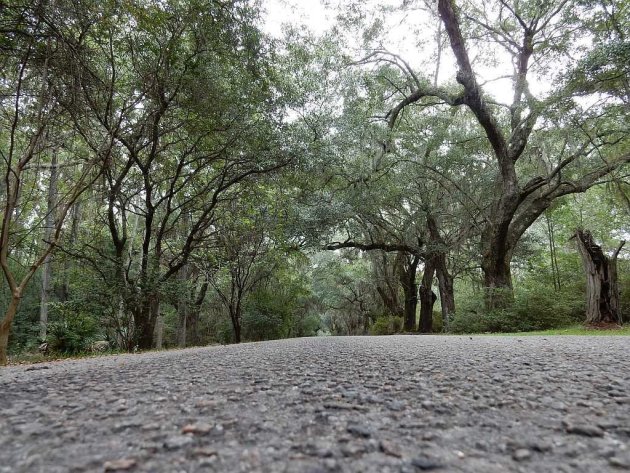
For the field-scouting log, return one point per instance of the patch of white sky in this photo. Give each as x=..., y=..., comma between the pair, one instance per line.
x=410, y=34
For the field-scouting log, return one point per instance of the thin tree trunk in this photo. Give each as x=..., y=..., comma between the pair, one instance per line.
x=49, y=227
x=194, y=316
x=552, y=252
x=427, y=298
x=438, y=60
x=615, y=293
x=182, y=306
x=159, y=323
x=64, y=295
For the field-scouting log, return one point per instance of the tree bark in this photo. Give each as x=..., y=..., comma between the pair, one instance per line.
x=183, y=309
x=5, y=327
x=385, y=271
x=427, y=298
x=410, y=291
x=555, y=272
x=615, y=300
x=193, y=321
x=447, y=295
x=145, y=319
x=602, y=296
x=498, y=293
x=445, y=279
x=236, y=325
x=4, y=344
x=49, y=226
x=64, y=293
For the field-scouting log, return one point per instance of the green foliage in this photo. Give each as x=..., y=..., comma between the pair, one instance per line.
x=266, y=318
x=386, y=325
x=536, y=307
x=71, y=331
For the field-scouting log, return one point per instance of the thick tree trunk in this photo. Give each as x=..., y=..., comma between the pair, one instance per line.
x=410, y=291
x=445, y=280
x=236, y=325
x=145, y=320
x=385, y=271
x=602, y=296
x=5, y=328
x=447, y=296
x=427, y=298
x=499, y=293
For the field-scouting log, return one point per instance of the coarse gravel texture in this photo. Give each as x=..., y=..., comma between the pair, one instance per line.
x=346, y=404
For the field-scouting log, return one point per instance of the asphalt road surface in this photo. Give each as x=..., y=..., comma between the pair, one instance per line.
x=369, y=404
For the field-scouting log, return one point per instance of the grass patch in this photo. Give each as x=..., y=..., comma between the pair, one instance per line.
x=573, y=330
x=30, y=358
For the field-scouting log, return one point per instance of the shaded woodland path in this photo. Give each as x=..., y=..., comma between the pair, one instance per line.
x=374, y=404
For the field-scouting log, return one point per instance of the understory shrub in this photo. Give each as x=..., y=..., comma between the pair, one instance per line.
x=386, y=325
x=71, y=330
x=536, y=307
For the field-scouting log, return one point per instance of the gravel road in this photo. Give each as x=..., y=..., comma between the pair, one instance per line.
x=369, y=404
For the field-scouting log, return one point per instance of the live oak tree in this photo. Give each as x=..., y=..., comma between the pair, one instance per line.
x=594, y=138
x=184, y=99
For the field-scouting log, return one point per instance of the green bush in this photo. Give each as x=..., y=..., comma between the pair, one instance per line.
x=536, y=307
x=386, y=325
x=262, y=325
x=71, y=331
x=437, y=322
x=306, y=326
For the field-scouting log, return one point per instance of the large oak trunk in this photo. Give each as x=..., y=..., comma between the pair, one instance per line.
x=499, y=293
x=385, y=270
x=602, y=294
x=445, y=279
x=447, y=297
x=145, y=320
x=427, y=298
x=410, y=290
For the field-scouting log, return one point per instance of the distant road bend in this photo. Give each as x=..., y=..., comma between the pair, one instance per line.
x=364, y=404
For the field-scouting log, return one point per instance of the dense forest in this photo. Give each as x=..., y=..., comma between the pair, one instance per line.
x=174, y=174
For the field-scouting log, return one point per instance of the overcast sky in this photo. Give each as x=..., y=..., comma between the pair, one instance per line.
x=411, y=36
